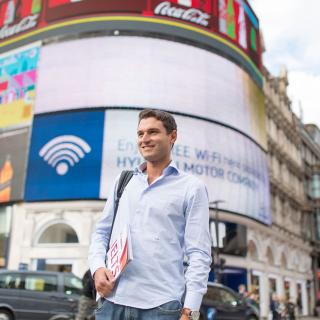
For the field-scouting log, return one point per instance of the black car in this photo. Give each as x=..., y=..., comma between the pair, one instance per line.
x=38, y=295
x=222, y=303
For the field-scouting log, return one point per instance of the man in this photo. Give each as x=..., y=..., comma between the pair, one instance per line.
x=167, y=211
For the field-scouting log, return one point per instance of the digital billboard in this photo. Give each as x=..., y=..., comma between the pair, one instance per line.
x=18, y=72
x=233, y=167
x=13, y=161
x=158, y=74
x=226, y=24
x=65, y=156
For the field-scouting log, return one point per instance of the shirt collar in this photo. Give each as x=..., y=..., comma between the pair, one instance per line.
x=170, y=169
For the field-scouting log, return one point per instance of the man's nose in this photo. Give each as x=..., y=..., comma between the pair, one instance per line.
x=145, y=137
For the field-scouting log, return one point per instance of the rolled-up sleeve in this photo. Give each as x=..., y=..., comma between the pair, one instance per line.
x=101, y=236
x=197, y=245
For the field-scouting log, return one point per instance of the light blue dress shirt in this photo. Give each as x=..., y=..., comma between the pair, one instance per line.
x=168, y=220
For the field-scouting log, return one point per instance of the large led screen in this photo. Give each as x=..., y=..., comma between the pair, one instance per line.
x=99, y=72
x=232, y=166
x=228, y=24
x=18, y=71
x=65, y=156
x=13, y=157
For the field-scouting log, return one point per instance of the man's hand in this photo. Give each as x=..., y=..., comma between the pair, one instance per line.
x=104, y=281
x=184, y=314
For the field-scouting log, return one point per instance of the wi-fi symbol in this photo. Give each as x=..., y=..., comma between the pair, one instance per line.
x=63, y=152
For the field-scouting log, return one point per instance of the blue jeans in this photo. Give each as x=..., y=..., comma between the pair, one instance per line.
x=107, y=310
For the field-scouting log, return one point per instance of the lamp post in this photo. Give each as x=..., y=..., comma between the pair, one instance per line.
x=216, y=256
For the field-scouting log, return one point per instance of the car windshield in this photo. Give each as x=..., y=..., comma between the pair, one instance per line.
x=72, y=285
x=221, y=296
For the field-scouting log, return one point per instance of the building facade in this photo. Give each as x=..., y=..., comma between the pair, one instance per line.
x=311, y=158
x=288, y=199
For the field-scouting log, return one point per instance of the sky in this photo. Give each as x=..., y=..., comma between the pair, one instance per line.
x=291, y=35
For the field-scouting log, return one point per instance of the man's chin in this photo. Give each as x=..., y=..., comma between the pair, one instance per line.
x=149, y=158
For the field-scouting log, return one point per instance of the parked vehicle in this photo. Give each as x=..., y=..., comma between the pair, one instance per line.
x=222, y=303
x=38, y=295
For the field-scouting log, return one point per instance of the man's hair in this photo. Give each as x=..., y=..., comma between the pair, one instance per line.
x=166, y=118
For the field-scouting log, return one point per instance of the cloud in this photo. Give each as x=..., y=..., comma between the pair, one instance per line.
x=304, y=88
x=290, y=31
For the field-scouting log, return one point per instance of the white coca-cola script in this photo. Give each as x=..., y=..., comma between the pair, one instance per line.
x=25, y=24
x=193, y=15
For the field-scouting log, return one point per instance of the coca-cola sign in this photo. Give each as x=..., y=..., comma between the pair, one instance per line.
x=23, y=25
x=190, y=14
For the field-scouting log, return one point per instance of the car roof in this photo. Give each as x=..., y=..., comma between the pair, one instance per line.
x=219, y=285
x=215, y=284
x=35, y=272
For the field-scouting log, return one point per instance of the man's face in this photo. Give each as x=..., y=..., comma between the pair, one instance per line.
x=153, y=140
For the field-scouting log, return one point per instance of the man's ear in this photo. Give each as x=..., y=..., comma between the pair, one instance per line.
x=173, y=136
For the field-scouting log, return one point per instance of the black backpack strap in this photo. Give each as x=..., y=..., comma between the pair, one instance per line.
x=124, y=179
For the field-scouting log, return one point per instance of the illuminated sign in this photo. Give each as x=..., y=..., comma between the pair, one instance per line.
x=13, y=157
x=223, y=21
x=18, y=71
x=17, y=16
x=65, y=156
x=160, y=74
x=233, y=168
x=190, y=14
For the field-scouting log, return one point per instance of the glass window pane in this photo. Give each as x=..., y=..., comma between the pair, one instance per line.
x=11, y=281
x=41, y=283
x=72, y=285
x=228, y=298
x=59, y=233
x=213, y=294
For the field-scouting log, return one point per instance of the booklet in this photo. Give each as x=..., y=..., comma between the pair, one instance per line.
x=120, y=252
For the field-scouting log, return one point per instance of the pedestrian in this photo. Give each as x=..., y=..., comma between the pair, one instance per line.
x=317, y=308
x=291, y=310
x=87, y=300
x=168, y=216
x=242, y=291
x=274, y=307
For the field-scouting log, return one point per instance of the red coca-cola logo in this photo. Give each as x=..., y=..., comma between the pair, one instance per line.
x=184, y=12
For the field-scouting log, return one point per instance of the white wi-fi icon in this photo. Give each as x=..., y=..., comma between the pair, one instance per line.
x=63, y=152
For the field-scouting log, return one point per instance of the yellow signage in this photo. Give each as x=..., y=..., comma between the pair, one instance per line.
x=16, y=113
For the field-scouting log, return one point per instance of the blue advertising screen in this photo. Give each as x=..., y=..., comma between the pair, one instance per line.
x=65, y=156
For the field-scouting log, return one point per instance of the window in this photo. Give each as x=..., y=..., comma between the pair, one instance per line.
x=283, y=261
x=252, y=250
x=59, y=233
x=10, y=281
x=45, y=283
x=270, y=256
x=315, y=186
x=318, y=224
x=228, y=298
x=213, y=294
x=72, y=285
x=221, y=295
